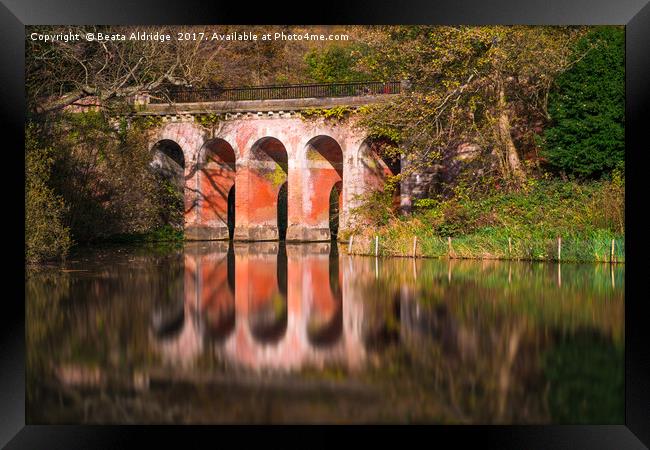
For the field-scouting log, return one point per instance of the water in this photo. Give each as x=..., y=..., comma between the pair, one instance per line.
x=268, y=333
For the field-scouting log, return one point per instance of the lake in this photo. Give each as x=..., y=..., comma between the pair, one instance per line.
x=216, y=332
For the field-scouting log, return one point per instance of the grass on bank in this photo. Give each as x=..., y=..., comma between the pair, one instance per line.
x=516, y=225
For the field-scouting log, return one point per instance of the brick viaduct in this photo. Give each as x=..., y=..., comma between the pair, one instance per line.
x=238, y=159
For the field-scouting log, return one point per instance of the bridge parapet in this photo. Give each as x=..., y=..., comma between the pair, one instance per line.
x=277, y=92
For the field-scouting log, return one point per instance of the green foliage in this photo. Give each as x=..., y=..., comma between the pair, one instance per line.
x=146, y=122
x=587, y=135
x=207, y=120
x=278, y=176
x=89, y=179
x=46, y=235
x=335, y=113
x=378, y=207
x=505, y=225
x=480, y=85
x=335, y=63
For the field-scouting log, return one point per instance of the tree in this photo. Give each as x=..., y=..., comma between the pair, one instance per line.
x=60, y=73
x=335, y=63
x=46, y=235
x=482, y=85
x=587, y=107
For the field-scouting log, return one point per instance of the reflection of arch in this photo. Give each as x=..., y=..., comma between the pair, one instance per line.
x=231, y=267
x=218, y=312
x=282, y=269
x=382, y=323
x=325, y=324
x=167, y=320
x=219, y=323
x=268, y=302
x=268, y=321
x=212, y=296
x=216, y=180
x=231, y=212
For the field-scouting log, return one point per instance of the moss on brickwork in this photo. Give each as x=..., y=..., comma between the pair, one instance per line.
x=278, y=176
x=146, y=122
x=335, y=113
x=207, y=120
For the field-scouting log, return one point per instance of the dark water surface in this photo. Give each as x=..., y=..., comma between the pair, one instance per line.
x=274, y=333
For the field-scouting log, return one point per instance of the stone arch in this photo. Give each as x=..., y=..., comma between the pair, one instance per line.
x=264, y=173
x=168, y=163
x=186, y=134
x=171, y=150
x=168, y=160
x=215, y=178
x=322, y=170
x=376, y=165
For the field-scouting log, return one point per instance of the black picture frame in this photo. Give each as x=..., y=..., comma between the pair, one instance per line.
x=16, y=14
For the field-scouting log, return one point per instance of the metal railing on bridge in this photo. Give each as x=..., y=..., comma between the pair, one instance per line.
x=320, y=90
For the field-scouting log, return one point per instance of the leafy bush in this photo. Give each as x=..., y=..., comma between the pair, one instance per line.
x=46, y=235
x=516, y=225
x=335, y=63
x=587, y=135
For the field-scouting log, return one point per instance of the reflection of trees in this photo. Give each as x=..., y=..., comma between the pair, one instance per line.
x=96, y=322
x=381, y=316
x=44, y=322
x=487, y=350
x=585, y=381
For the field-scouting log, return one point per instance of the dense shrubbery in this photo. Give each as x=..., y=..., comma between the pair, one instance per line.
x=587, y=108
x=586, y=215
x=93, y=181
x=335, y=64
x=46, y=235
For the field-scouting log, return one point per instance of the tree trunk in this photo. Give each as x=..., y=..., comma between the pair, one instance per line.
x=514, y=164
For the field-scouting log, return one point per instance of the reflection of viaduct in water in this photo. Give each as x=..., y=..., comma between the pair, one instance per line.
x=262, y=171
x=266, y=306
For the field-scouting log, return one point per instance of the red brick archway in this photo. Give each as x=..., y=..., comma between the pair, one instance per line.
x=214, y=177
x=377, y=165
x=258, y=188
x=323, y=170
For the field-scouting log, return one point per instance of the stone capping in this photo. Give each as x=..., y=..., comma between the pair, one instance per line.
x=257, y=108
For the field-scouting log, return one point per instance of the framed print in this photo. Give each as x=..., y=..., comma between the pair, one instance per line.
x=382, y=216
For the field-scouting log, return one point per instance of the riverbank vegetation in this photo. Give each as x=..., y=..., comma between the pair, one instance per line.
x=524, y=224
x=512, y=136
